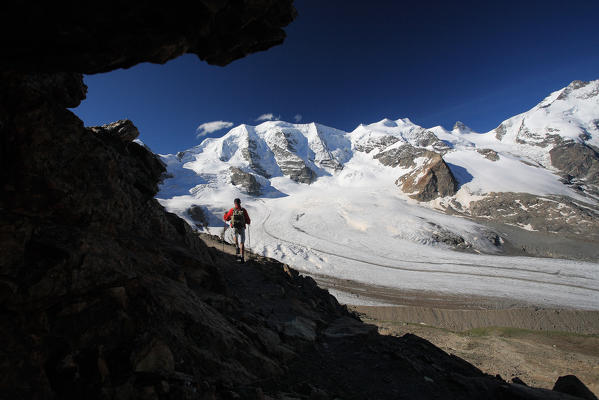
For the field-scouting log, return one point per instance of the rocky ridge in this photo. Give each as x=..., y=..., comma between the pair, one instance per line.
x=553, y=214
x=305, y=152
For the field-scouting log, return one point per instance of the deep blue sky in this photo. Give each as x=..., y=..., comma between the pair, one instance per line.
x=350, y=62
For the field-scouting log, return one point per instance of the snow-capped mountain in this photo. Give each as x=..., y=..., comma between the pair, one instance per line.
x=338, y=203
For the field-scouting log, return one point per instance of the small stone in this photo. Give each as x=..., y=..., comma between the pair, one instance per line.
x=518, y=381
x=157, y=356
x=300, y=328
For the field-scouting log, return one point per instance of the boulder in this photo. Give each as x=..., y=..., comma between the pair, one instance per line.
x=123, y=129
x=156, y=356
x=489, y=154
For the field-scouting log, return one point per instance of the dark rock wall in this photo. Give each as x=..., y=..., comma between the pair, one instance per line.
x=103, y=293
x=576, y=160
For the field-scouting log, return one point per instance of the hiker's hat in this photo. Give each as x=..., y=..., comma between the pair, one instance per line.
x=237, y=201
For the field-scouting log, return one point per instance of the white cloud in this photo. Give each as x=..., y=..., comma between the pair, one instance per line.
x=212, y=126
x=268, y=117
x=298, y=117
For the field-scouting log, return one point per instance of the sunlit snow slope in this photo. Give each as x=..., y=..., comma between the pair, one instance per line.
x=321, y=201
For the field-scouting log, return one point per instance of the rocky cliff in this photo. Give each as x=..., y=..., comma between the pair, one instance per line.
x=429, y=176
x=105, y=295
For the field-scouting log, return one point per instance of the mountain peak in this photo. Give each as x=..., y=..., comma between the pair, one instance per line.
x=582, y=90
x=460, y=127
x=388, y=122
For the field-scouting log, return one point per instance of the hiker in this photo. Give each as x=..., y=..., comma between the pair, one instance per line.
x=239, y=218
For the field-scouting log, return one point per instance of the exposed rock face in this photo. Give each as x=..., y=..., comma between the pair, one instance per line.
x=430, y=180
x=430, y=176
x=379, y=143
x=451, y=239
x=418, y=137
x=489, y=154
x=577, y=84
x=427, y=138
x=556, y=214
x=461, y=127
x=291, y=165
x=500, y=131
x=323, y=156
x=250, y=155
x=576, y=160
x=104, y=295
x=530, y=136
x=124, y=129
x=246, y=180
x=403, y=156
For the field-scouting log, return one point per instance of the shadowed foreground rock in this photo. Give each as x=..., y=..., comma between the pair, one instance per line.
x=572, y=385
x=104, y=295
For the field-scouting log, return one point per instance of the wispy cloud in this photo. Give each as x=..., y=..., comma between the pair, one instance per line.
x=268, y=117
x=298, y=117
x=212, y=126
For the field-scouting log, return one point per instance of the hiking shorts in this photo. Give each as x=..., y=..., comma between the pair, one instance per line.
x=241, y=233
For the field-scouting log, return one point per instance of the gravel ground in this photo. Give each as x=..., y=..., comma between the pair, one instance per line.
x=536, y=357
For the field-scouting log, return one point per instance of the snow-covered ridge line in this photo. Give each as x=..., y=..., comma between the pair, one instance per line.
x=305, y=152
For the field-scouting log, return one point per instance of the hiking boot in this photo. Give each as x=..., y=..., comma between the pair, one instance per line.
x=242, y=260
x=236, y=251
